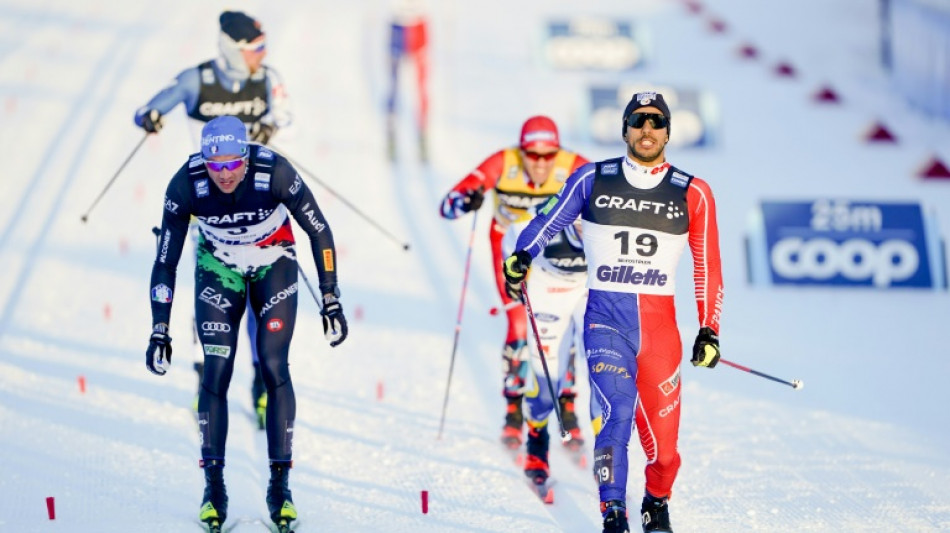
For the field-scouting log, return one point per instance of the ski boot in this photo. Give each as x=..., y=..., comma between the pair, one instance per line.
x=214, y=504
x=536, y=463
x=569, y=419
x=615, y=516
x=512, y=432
x=279, y=502
x=655, y=514
x=259, y=397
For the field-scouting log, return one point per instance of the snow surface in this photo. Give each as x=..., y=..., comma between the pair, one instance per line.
x=863, y=447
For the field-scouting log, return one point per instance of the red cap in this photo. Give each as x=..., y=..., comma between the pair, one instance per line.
x=539, y=131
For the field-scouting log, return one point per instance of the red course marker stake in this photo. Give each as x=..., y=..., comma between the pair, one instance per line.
x=51, y=508
x=878, y=133
x=935, y=168
x=82, y=390
x=425, y=502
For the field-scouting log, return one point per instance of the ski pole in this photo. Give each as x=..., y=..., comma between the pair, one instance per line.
x=318, y=181
x=458, y=321
x=565, y=436
x=795, y=383
x=85, y=216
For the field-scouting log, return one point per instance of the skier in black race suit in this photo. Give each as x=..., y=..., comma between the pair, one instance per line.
x=236, y=83
x=241, y=195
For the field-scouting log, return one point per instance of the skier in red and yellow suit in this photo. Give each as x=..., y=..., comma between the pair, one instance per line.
x=522, y=176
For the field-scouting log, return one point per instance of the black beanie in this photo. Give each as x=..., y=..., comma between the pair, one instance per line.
x=240, y=27
x=645, y=99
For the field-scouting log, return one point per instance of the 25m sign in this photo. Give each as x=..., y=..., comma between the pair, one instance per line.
x=833, y=242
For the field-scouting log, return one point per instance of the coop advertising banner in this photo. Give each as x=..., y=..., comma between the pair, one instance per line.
x=846, y=243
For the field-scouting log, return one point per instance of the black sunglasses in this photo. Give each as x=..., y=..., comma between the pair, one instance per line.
x=637, y=120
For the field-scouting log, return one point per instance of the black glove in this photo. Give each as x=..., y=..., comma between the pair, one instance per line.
x=334, y=323
x=706, y=348
x=472, y=200
x=261, y=133
x=158, y=357
x=516, y=268
x=152, y=121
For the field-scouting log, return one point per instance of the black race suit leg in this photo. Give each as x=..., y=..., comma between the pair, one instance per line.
x=273, y=298
x=219, y=305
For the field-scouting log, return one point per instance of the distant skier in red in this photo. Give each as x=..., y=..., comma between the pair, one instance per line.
x=409, y=39
x=522, y=176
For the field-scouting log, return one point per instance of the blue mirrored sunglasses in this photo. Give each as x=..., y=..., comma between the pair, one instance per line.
x=231, y=165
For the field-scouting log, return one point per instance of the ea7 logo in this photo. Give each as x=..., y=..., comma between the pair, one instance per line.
x=215, y=299
x=171, y=206
x=296, y=185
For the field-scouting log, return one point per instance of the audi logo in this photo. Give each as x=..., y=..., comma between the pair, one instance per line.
x=216, y=326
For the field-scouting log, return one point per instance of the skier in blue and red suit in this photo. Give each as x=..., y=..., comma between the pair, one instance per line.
x=638, y=215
